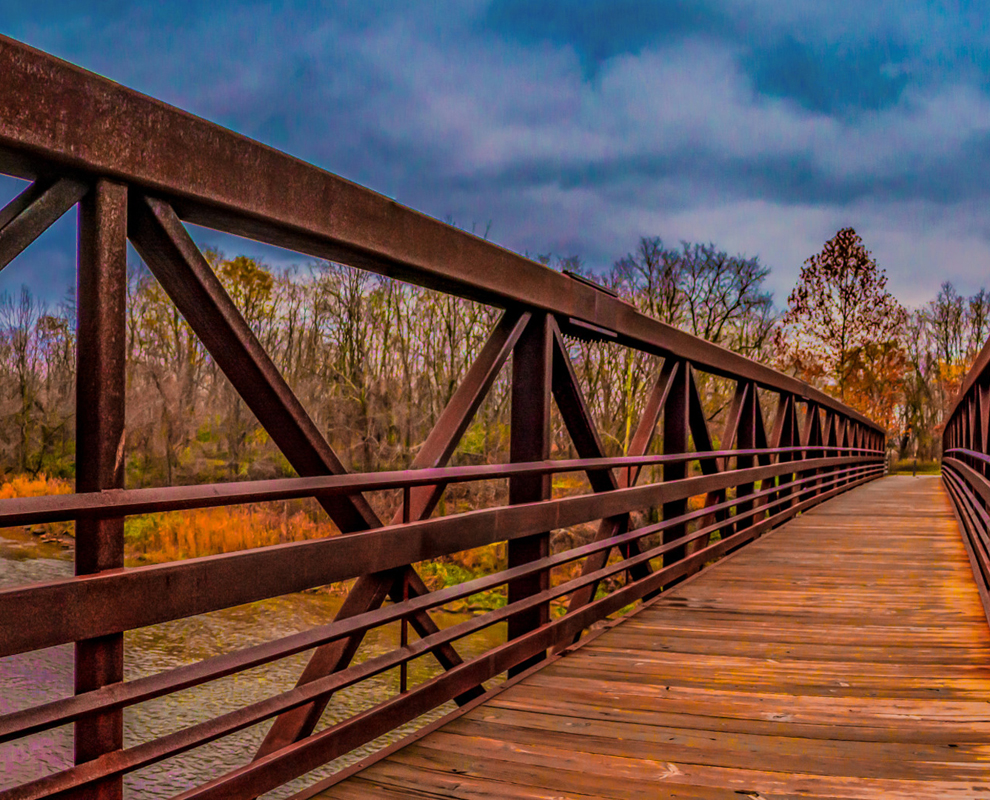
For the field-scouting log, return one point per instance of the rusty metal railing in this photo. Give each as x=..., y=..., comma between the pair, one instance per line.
x=966, y=467
x=138, y=169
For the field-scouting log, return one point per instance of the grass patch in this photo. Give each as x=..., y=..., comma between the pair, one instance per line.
x=909, y=465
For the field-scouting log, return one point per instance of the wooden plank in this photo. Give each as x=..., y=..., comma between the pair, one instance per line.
x=845, y=655
x=721, y=749
x=495, y=777
x=826, y=650
x=762, y=714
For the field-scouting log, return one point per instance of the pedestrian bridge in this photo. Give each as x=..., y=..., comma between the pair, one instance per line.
x=844, y=655
x=757, y=610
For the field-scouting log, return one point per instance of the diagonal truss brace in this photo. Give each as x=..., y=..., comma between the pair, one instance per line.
x=369, y=591
x=180, y=267
x=703, y=441
x=33, y=211
x=175, y=260
x=580, y=425
x=573, y=408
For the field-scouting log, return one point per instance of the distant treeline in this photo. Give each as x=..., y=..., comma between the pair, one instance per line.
x=375, y=361
x=940, y=342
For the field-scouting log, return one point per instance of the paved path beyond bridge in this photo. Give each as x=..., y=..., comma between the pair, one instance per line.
x=844, y=655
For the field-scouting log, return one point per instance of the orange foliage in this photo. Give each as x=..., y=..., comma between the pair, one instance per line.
x=38, y=486
x=33, y=486
x=875, y=381
x=187, y=534
x=209, y=531
x=951, y=376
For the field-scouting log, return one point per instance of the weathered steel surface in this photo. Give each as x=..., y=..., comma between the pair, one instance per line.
x=532, y=383
x=845, y=655
x=675, y=440
x=102, y=604
x=144, y=168
x=371, y=590
x=32, y=212
x=100, y=390
x=966, y=466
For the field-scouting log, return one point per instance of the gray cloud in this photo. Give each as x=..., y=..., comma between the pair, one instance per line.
x=579, y=127
x=598, y=30
x=826, y=80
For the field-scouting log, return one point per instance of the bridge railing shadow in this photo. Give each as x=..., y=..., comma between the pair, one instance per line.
x=138, y=171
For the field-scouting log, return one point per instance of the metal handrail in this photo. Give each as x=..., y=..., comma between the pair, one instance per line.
x=966, y=467
x=16, y=511
x=138, y=169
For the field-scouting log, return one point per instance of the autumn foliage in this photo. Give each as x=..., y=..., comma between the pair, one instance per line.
x=375, y=361
x=843, y=329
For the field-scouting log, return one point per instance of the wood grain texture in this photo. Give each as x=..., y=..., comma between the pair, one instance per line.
x=845, y=655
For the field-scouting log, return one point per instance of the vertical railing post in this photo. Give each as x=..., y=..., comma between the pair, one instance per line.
x=857, y=441
x=532, y=382
x=818, y=434
x=810, y=438
x=789, y=438
x=966, y=407
x=798, y=457
x=827, y=435
x=974, y=422
x=100, y=379
x=983, y=412
x=746, y=440
x=869, y=436
x=843, y=440
x=676, y=424
x=860, y=437
x=969, y=413
x=979, y=391
x=777, y=435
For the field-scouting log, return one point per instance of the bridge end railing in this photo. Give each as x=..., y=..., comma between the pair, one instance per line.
x=966, y=467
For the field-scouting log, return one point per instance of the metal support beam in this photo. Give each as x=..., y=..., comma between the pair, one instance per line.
x=746, y=439
x=532, y=380
x=33, y=212
x=370, y=591
x=100, y=388
x=676, y=425
x=175, y=260
x=639, y=444
x=702, y=442
x=580, y=426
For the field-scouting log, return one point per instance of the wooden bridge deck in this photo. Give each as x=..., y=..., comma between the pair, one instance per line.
x=845, y=655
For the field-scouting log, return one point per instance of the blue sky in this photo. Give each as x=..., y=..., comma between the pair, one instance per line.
x=576, y=127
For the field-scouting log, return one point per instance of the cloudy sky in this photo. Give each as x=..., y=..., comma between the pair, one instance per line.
x=576, y=127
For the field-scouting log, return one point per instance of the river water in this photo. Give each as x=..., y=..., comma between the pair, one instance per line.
x=41, y=676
